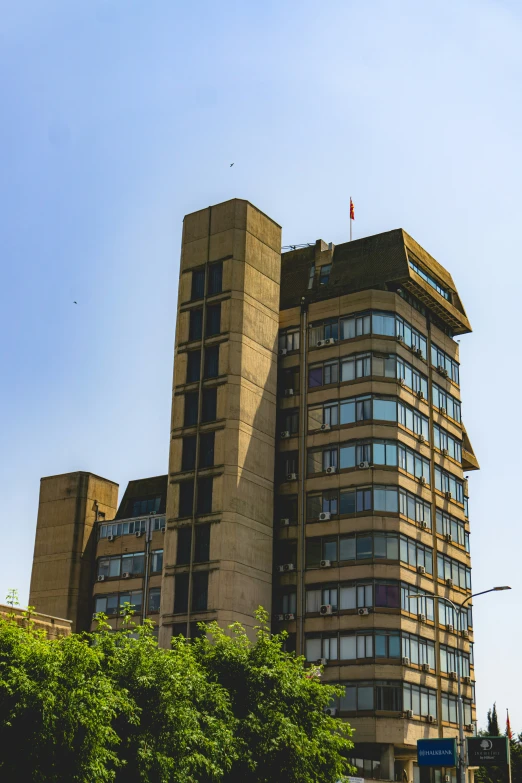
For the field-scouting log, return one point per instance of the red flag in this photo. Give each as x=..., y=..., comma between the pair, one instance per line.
x=509, y=733
x=352, y=213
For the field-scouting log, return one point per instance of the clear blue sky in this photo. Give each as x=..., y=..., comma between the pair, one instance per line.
x=120, y=116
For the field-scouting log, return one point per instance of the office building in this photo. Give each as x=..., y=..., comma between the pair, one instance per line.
x=317, y=461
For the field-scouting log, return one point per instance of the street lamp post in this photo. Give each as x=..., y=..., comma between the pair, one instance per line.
x=457, y=608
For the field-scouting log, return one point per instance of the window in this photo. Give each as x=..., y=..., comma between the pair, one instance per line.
x=414, y=508
x=450, y=711
x=323, y=374
x=413, y=379
x=186, y=498
x=215, y=278
x=364, y=696
x=326, y=330
x=206, y=449
x=446, y=442
x=358, y=365
x=448, y=525
x=447, y=482
x=196, y=324
x=121, y=564
x=188, y=454
x=108, y=604
x=461, y=620
x=324, y=274
x=131, y=527
x=447, y=568
x=290, y=422
x=420, y=700
x=145, y=506
x=318, y=503
x=444, y=362
x=289, y=339
x=355, y=326
x=288, y=507
x=202, y=544
x=156, y=561
x=417, y=601
x=134, y=598
x=209, y=405
x=288, y=379
x=429, y=279
x=199, y=591
x=445, y=403
x=198, y=283
x=288, y=603
x=191, y=409
x=213, y=325
x=154, y=599
x=289, y=464
x=193, y=366
x=413, y=463
x=181, y=586
x=418, y=649
x=204, y=504
x=211, y=361
x=448, y=661
x=183, y=545
x=311, y=276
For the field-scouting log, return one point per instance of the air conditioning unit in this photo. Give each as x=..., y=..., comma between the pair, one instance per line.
x=421, y=570
x=443, y=410
x=324, y=427
x=466, y=680
x=283, y=352
x=422, y=439
x=408, y=714
x=138, y=534
x=420, y=395
x=284, y=522
x=332, y=711
x=469, y=727
x=320, y=343
x=450, y=628
x=324, y=516
x=448, y=537
x=363, y=465
x=283, y=569
x=326, y=609
x=101, y=579
x=291, y=476
x=405, y=661
x=430, y=718
x=290, y=616
x=447, y=495
x=423, y=525
x=162, y=529
x=289, y=392
x=425, y=667
x=449, y=582
x=442, y=370
x=417, y=351
x=445, y=452
x=285, y=434
x=280, y=617
x=421, y=618
x=329, y=341
x=400, y=338
x=447, y=778
x=322, y=662
x=422, y=480
x=465, y=634
x=453, y=675
x=331, y=469
x=94, y=615
x=126, y=575
x=325, y=563
x=363, y=611
x=401, y=382
x=111, y=538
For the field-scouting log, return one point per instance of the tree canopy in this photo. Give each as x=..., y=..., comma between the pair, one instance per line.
x=115, y=707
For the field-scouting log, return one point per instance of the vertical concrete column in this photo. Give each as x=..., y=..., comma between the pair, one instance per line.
x=248, y=243
x=65, y=544
x=388, y=763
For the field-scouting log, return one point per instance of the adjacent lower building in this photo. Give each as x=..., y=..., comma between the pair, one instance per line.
x=317, y=468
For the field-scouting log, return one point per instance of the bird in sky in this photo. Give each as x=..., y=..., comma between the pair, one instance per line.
x=231, y=165
x=75, y=302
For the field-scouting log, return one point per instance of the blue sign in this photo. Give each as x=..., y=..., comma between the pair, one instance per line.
x=437, y=753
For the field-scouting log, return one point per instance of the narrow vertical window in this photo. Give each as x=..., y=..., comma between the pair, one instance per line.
x=198, y=284
x=196, y=324
x=215, y=278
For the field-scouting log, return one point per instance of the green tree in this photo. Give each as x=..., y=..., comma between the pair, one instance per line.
x=500, y=774
x=283, y=731
x=493, y=729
